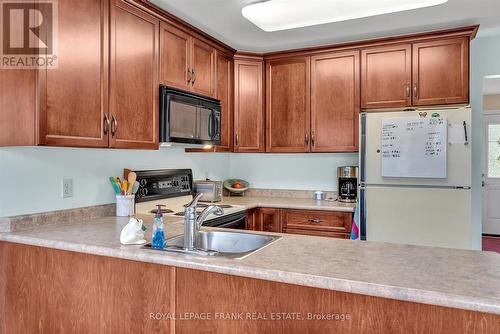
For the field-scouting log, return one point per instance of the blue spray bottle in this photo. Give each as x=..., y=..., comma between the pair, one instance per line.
x=158, y=236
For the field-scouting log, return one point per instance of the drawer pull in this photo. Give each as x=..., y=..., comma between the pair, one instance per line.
x=315, y=221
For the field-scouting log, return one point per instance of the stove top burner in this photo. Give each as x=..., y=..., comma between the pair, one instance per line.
x=162, y=211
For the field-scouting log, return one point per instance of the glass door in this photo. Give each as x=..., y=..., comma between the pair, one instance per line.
x=491, y=175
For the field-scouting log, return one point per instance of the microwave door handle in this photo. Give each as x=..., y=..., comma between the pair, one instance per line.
x=217, y=125
x=210, y=124
x=196, y=123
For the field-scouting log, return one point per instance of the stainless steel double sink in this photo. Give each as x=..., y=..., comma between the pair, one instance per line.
x=234, y=245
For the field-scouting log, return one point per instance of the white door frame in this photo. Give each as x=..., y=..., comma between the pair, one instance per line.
x=485, y=181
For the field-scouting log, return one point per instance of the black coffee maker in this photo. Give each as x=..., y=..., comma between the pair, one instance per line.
x=348, y=184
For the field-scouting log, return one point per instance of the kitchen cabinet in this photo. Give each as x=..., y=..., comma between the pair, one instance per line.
x=187, y=62
x=287, y=104
x=174, y=57
x=264, y=219
x=81, y=293
x=202, y=67
x=73, y=103
x=335, y=99
x=441, y=72
x=426, y=73
x=249, y=123
x=318, y=223
x=224, y=93
x=386, y=76
x=134, y=77
x=85, y=293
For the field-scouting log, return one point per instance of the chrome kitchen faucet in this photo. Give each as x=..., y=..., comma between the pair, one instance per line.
x=192, y=223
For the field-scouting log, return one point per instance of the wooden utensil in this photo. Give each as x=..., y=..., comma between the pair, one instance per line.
x=131, y=180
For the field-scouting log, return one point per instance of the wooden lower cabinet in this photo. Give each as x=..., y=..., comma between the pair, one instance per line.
x=317, y=233
x=260, y=303
x=317, y=223
x=44, y=290
x=264, y=219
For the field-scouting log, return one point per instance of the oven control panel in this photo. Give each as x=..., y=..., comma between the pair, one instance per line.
x=157, y=184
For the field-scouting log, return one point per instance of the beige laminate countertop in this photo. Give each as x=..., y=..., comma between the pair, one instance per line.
x=446, y=277
x=288, y=203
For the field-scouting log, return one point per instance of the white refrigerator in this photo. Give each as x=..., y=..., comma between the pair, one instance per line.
x=415, y=183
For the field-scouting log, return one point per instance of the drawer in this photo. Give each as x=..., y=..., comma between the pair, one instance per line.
x=331, y=221
x=318, y=233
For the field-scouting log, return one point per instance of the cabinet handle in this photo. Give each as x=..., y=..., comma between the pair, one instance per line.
x=315, y=221
x=106, y=123
x=114, y=125
x=193, y=80
x=312, y=138
x=307, y=139
x=408, y=90
x=189, y=76
x=237, y=138
x=415, y=90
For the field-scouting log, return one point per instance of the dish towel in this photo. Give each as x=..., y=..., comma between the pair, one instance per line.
x=355, y=224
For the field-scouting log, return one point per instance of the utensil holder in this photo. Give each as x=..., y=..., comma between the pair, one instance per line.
x=125, y=205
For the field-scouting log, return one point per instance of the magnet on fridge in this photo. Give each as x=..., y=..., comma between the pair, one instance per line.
x=435, y=114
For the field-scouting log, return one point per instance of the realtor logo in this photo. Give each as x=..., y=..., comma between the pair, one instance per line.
x=28, y=33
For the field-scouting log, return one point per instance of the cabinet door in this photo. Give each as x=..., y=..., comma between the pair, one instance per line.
x=441, y=72
x=202, y=67
x=287, y=105
x=224, y=70
x=248, y=106
x=335, y=102
x=73, y=97
x=134, y=82
x=386, y=77
x=265, y=219
x=270, y=220
x=174, y=57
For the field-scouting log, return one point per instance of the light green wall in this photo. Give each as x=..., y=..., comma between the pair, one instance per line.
x=31, y=177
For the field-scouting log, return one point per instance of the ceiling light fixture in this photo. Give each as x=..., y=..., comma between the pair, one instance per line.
x=274, y=15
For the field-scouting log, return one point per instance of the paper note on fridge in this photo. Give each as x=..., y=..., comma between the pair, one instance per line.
x=456, y=133
x=414, y=147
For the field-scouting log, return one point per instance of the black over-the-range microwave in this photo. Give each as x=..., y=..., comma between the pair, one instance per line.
x=190, y=118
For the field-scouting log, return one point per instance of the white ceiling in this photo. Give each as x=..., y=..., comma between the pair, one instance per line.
x=223, y=20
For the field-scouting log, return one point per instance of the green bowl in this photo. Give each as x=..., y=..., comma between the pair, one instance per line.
x=228, y=185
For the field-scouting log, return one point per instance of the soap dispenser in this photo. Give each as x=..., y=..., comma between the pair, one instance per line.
x=158, y=236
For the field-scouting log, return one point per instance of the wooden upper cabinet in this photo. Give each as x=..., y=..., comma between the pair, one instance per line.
x=224, y=93
x=386, y=77
x=174, y=57
x=202, y=67
x=134, y=77
x=287, y=105
x=441, y=72
x=186, y=62
x=73, y=97
x=335, y=102
x=248, y=106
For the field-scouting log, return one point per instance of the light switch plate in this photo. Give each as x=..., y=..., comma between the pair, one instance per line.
x=67, y=188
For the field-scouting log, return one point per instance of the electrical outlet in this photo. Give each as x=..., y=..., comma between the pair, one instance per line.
x=67, y=188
